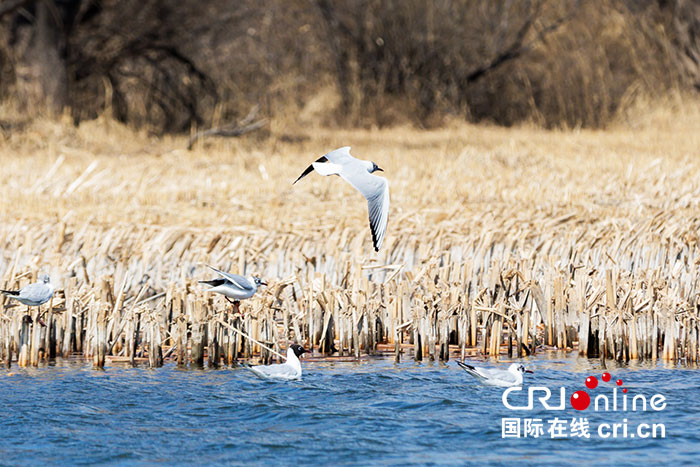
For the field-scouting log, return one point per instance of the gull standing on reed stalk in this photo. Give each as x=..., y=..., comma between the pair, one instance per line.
x=287, y=371
x=513, y=376
x=358, y=173
x=35, y=294
x=233, y=286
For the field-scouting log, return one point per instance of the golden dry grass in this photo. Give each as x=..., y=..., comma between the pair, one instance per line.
x=452, y=180
x=483, y=202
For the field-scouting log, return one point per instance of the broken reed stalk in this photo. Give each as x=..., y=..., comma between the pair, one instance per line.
x=624, y=320
x=619, y=286
x=269, y=349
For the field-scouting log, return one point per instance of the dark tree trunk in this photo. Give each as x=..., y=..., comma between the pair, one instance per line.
x=340, y=52
x=41, y=72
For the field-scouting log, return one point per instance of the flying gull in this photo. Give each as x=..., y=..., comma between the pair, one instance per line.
x=358, y=173
x=287, y=371
x=513, y=376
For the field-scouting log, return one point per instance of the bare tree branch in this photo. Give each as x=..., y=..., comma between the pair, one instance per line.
x=9, y=6
x=246, y=125
x=517, y=48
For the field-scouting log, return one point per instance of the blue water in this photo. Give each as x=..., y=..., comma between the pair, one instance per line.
x=340, y=413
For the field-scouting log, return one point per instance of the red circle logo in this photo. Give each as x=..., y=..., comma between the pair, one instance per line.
x=618, y=382
x=606, y=377
x=580, y=400
x=591, y=382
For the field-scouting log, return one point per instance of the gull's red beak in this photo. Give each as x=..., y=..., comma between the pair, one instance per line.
x=529, y=371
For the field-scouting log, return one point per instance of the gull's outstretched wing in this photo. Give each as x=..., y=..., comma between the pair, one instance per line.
x=376, y=191
x=310, y=168
x=340, y=156
x=330, y=164
x=238, y=281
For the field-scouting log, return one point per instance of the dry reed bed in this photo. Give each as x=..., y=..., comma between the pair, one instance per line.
x=500, y=241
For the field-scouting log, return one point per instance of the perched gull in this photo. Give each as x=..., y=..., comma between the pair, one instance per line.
x=289, y=370
x=234, y=286
x=358, y=173
x=513, y=376
x=35, y=294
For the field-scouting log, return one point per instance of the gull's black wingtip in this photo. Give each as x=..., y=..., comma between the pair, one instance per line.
x=308, y=170
x=374, y=237
x=213, y=282
x=465, y=366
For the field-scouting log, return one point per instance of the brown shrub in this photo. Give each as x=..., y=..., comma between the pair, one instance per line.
x=171, y=65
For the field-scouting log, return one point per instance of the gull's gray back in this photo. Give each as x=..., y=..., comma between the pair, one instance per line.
x=354, y=171
x=238, y=281
x=35, y=294
x=497, y=374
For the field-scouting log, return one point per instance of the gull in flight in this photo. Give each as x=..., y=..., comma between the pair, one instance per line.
x=358, y=173
x=513, y=376
x=233, y=286
x=287, y=371
x=35, y=294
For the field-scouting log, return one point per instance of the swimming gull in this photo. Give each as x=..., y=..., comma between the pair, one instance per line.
x=289, y=370
x=513, y=376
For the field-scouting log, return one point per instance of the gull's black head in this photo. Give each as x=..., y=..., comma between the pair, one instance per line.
x=298, y=350
x=375, y=168
x=258, y=281
x=522, y=369
x=44, y=278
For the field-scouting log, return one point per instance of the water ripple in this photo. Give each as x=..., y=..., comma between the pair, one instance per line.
x=340, y=413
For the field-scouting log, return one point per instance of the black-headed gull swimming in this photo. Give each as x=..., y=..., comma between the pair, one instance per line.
x=234, y=286
x=35, y=294
x=358, y=173
x=513, y=376
x=287, y=371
